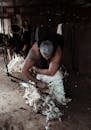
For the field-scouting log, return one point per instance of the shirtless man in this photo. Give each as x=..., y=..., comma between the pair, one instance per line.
x=44, y=58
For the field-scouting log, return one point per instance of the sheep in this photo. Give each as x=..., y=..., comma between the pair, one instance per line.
x=16, y=64
x=44, y=101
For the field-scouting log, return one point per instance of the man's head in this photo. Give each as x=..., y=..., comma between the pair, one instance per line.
x=46, y=49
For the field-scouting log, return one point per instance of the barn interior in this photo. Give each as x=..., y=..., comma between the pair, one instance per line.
x=75, y=25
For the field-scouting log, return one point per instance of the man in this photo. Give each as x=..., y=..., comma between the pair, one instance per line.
x=44, y=58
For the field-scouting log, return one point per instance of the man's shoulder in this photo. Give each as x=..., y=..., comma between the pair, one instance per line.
x=33, y=53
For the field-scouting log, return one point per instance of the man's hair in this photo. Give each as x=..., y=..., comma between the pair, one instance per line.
x=46, y=47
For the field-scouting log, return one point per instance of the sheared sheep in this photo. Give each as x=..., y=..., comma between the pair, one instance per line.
x=44, y=101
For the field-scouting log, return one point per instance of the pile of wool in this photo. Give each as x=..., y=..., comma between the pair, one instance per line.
x=16, y=64
x=32, y=96
x=43, y=101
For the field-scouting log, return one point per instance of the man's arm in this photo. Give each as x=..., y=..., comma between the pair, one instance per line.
x=29, y=63
x=54, y=64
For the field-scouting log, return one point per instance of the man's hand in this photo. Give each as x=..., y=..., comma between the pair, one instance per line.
x=34, y=68
x=42, y=85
